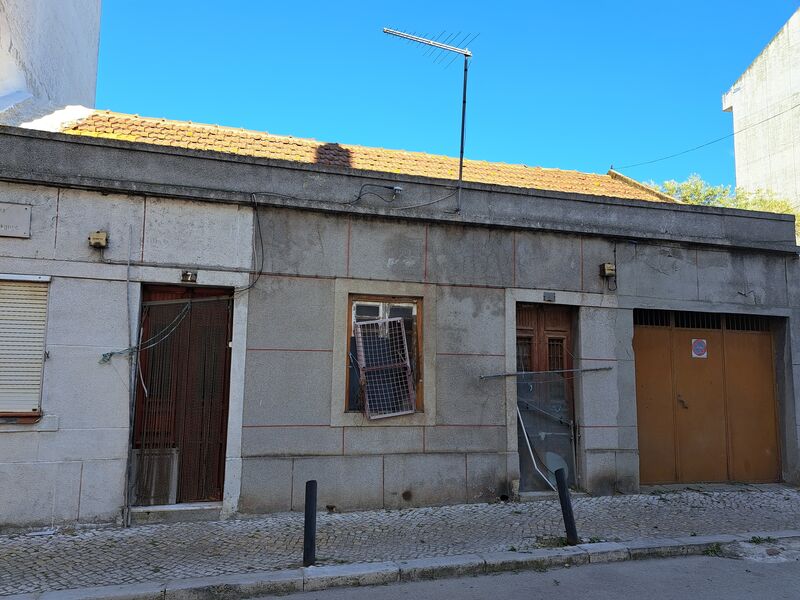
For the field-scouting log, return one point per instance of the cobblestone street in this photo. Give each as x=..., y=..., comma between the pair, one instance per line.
x=109, y=556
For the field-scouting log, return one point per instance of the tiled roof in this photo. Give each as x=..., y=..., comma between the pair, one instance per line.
x=183, y=134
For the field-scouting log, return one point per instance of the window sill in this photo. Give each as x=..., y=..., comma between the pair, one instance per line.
x=18, y=423
x=359, y=419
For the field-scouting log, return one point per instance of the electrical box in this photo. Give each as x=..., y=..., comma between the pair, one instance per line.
x=98, y=239
x=608, y=270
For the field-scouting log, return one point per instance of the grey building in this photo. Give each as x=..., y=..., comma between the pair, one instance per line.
x=765, y=101
x=252, y=311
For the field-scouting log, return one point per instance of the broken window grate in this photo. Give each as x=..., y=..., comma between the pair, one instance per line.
x=384, y=368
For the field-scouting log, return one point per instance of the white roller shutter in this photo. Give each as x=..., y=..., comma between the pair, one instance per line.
x=23, y=317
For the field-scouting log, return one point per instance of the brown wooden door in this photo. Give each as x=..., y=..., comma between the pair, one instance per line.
x=181, y=411
x=699, y=407
x=545, y=395
x=752, y=415
x=705, y=398
x=655, y=406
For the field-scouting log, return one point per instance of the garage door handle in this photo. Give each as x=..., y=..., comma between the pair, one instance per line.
x=682, y=401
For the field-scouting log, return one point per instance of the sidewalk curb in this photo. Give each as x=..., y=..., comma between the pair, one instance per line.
x=250, y=585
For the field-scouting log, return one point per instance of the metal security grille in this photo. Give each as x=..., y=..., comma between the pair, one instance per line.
x=746, y=323
x=651, y=318
x=180, y=418
x=697, y=320
x=23, y=316
x=384, y=370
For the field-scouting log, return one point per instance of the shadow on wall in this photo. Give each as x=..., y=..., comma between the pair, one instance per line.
x=333, y=154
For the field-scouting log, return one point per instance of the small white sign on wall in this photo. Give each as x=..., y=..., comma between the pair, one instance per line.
x=699, y=348
x=15, y=220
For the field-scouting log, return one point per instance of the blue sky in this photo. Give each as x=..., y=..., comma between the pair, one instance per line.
x=572, y=85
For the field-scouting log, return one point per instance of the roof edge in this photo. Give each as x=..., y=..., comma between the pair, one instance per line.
x=639, y=185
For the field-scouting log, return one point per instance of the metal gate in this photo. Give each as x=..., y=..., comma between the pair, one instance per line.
x=545, y=404
x=705, y=397
x=181, y=409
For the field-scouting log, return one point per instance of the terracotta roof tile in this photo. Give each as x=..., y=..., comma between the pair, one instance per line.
x=185, y=134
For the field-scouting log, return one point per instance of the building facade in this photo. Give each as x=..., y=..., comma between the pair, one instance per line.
x=222, y=335
x=765, y=102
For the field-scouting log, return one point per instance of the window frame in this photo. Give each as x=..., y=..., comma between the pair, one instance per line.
x=419, y=366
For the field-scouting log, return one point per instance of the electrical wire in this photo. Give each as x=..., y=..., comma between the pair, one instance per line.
x=724, y=137
x=450, y=195
x=239, y=291
x=154, y=340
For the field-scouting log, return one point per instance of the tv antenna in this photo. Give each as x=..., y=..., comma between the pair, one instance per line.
x=444, y=48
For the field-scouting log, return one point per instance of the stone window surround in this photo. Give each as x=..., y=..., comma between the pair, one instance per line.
x=343, y=289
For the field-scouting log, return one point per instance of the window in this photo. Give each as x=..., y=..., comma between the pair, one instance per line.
x=372, y=308
x=23, y=315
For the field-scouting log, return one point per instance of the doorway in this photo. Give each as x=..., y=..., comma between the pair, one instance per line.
x=546, y=432
x=181, y=405
x=705, y=397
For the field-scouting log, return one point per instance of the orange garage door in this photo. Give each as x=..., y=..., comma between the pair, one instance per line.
x=705, y=396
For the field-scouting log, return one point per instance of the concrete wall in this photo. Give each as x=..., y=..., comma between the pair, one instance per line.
x=287, y=420
x=464, y=447
x=768, y=154
x=71, y=465
x=48, y=56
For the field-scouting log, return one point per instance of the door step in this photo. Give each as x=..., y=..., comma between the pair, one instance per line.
x=547, y=495
x=176, y=513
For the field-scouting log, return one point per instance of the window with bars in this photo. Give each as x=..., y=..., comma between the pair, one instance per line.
x=388, y=327
x=23, y=319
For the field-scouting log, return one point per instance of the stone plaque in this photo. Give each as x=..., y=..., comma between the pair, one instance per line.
x=15, y=220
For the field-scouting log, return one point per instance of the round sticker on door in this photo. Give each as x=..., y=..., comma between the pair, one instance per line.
x=699, y=348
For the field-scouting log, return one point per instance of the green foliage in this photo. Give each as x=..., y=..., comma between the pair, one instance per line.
x=696, y=191
x=714, y=549
x=756, y=539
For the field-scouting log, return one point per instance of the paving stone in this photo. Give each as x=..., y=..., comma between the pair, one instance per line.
x=421, y=537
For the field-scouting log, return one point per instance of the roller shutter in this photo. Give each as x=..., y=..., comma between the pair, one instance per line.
x=23, y=317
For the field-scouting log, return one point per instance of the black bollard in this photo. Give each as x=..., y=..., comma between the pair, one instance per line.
x=566, y=507
x=310, y=525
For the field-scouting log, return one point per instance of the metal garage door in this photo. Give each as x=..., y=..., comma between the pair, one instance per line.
x=705, y=396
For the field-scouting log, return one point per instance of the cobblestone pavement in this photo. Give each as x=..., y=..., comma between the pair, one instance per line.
x=110, y=556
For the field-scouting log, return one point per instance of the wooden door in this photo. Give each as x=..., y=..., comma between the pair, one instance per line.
x=699, y=406
x=752, y=418
x=181, y=411
x=652, y=348
x=545, y=393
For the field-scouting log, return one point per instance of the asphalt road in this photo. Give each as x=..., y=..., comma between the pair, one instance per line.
x=665, y=579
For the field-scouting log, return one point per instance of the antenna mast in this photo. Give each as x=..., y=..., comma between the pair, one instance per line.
x=467, y=55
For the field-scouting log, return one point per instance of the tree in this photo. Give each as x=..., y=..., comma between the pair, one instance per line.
x=696, y=191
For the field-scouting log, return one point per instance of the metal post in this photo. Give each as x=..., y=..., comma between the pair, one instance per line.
x=566, y=507
x=310, y=524
x=463, y=122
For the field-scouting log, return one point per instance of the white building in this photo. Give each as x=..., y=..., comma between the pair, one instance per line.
x=765, y=102
x=48, y=56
